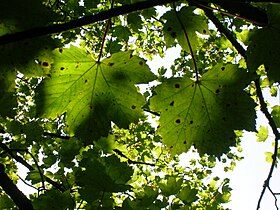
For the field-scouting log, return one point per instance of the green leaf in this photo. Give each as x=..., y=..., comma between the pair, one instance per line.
x=192, y=23
x=262, y=134
x=6, y=202
x=276, y=115
x=269, y=156
x=172, y=186
x=206, y=112
x=54, y=199
x=188, y=195
x=106, y=174
x=35, y=14
x=93, y=94
x=122, y=33
x=34, y=177
x=134, y=20
x=265, y=45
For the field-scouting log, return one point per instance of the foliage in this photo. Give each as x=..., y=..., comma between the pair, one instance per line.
x=74, y=113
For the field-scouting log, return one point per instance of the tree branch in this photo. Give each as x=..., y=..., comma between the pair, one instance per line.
x=86, y=20
x=30, y=168
x=225, y=31
x=11, y=189
x=277, y=136
x=263, y=105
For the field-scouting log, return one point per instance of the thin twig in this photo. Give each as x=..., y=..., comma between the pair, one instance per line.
x=263, y=107
x=39, y=169
x=226, y=32
x=132, y=161
x=54, y=135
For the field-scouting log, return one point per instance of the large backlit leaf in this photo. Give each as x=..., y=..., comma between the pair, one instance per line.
x=265, y=45
x=93, y=94
x=206, y=112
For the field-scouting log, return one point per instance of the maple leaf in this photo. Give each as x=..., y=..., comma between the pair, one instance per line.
x=92, y=94
x=204, y=113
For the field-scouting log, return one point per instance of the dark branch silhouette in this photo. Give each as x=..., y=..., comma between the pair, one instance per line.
x=11, y=189
x=30, y=168
x=86, y=20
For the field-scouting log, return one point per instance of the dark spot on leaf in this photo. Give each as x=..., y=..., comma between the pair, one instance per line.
x=178, y=121
x=171, y=147
x=130, y=56
x=191, y=122
x=184, y=142
x=62, y=68
x=166, y=109
x=45, y=64
x=208, y=131
x=223, y=68
x=133, y=107
x=177, y=85
x=169, y=28
x=173, y=34
x=204, y=31
x=60, y=50
x=172, y=103
x=141, y=63
x=217, y=91
x=90, y=107
x=86, y=81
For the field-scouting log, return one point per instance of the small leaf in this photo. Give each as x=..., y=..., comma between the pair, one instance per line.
x=262, y=134
x=276, y=115
x=188, y=195
x=172, y=186
x=34, y=177
x=269, y=156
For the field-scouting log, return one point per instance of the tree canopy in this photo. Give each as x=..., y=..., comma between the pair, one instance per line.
x=97, y=129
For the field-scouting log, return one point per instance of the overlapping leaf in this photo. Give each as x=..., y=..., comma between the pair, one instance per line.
x=265, y=45
x=105, y=174
x=192, y=24
x=206, y=112
x=93, y=94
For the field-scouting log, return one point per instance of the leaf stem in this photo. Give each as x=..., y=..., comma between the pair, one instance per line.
x=108, y=24
x=188, y=42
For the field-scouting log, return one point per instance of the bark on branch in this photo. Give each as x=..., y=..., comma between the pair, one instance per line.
x=11, y=189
